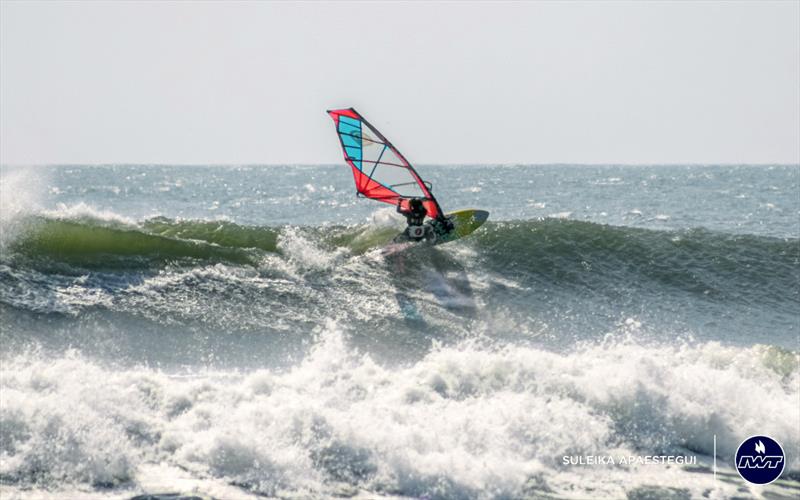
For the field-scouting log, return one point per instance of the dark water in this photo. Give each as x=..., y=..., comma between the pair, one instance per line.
x=245, y=330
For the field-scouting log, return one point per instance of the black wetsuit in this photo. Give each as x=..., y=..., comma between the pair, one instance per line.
x=415, y=216
x=417, y=229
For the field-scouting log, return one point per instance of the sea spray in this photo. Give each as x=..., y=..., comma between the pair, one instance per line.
x=463, y=419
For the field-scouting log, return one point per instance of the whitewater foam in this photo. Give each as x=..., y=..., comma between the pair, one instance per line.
x=305, y=252
x=465, y=420
x=85, y=212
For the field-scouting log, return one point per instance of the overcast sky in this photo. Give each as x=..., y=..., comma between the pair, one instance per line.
x=455, y=82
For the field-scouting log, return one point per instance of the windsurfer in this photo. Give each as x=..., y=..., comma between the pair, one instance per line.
x=417, y=230
x=415, y=217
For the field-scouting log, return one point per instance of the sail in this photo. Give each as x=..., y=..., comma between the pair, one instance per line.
x=379, y=170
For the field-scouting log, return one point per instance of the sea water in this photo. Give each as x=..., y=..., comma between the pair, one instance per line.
x=244, y=331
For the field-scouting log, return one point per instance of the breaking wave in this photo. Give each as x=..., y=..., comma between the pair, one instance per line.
x=465, y=421
x=534, y=245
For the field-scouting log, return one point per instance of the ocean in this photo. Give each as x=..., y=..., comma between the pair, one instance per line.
x=245, y=332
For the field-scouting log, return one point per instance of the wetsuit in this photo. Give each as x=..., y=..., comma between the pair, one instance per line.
x=415, y=216
x=417, y=229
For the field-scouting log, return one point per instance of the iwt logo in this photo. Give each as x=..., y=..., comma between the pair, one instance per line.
x=760, y=460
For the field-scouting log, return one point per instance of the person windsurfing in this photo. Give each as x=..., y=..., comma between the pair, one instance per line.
x=417, y=229
x=415, y=217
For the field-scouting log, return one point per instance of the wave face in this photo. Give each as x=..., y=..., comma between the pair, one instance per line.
x=200, y=273
x=259, y=345
x=95, y=244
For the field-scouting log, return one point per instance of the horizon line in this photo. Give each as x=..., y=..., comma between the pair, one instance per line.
x=504, y=164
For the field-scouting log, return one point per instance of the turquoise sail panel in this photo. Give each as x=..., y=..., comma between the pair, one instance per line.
x=350, y=132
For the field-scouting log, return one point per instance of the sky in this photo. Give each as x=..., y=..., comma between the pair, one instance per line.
x=450, y=82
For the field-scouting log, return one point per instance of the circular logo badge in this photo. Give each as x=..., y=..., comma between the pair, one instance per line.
x=760, y=459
